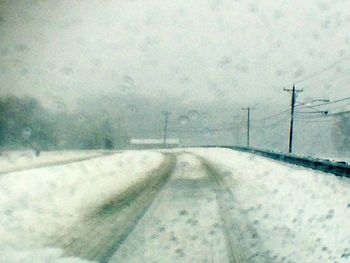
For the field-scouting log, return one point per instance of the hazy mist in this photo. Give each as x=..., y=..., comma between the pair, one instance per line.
x=200, y=60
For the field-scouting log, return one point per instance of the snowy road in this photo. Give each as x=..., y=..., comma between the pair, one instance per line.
x=188, y=222
x=199, y=205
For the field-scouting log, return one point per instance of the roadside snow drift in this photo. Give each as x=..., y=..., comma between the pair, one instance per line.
x=11, y=161
x=300, y=215
x=39, y=206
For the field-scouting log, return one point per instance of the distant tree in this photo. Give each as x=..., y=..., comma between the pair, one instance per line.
x=23, y=123
x=96, y=133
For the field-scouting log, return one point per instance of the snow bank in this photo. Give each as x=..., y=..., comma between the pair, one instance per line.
x=300, y=215
x=38, y=206
x=19, y=160
x=42, y=255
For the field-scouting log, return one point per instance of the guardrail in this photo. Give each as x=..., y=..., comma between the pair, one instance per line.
x=336, y=168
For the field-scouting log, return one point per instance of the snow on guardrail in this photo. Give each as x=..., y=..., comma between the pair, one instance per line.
x=337, y=168
x=300, y=215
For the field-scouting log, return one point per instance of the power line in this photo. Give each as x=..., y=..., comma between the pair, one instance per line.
x=310, y=117
x=338, y=113
x=315, y=121
x=326, y=103
x=333, y=78
x=308, y=106
x=201, y=130
x=300, y=107
x=315, y=74
x=272, y=124
x=272, y=116
x=326, y=116
x=311, y=112
x=332, y=108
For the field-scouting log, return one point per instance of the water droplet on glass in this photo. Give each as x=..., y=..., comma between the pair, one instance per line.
x=80, y=102
x=215, y=133
x=67, y=71
x=132, y=109
x=183, y=119
x=205, y=120
x=125, y=89
x=26, y=133
x=193, y=115
x=206, y=132
x=60, y=106
x=104, y=114
x=127, y=85
x=81, y=118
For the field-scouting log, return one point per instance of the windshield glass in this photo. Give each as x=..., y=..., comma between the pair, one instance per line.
x=174, y=131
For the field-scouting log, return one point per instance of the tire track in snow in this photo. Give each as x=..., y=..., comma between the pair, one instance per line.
x=182, y=225
x=100, y=233
x=243, y=243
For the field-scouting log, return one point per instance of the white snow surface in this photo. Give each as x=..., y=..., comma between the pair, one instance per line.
x=301, y=215
x=38, y=206
x=41, y=255
x=182, y=224
x=16, y=160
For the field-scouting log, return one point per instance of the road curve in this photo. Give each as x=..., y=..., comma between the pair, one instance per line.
x=182, y=212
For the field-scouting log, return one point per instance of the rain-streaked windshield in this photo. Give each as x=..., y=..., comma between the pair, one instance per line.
x=174, y=131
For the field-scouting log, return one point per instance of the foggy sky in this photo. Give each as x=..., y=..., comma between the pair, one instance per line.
x=244, y=52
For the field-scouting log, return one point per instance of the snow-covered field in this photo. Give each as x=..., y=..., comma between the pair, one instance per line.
x=39, y=206
x=301, y=215
x=20, y=160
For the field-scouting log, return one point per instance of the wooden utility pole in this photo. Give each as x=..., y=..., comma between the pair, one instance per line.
x=248, y=109
x=166, y=114
x=294, y=93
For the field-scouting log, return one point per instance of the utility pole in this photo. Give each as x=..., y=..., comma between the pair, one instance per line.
x=294, y=93
x=166, y=114
x=248, y=109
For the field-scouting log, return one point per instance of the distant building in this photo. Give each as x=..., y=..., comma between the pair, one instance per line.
x=139, y=144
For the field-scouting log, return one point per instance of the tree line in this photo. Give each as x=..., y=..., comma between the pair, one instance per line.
x=25, y=123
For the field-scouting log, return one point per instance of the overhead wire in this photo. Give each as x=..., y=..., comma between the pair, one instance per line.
x=327, y=103
x=270, y=124
x=272, y=116
x=329, y=67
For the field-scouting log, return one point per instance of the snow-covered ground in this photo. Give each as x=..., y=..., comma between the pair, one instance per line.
x=182, y=225
x=39, y=206
x=20, y=160
x=301, y=215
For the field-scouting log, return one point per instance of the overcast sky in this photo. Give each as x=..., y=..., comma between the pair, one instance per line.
x=190, y=50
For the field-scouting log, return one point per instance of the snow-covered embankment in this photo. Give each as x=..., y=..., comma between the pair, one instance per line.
x=49, y=207
x=300, y=215
x=14, y=161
